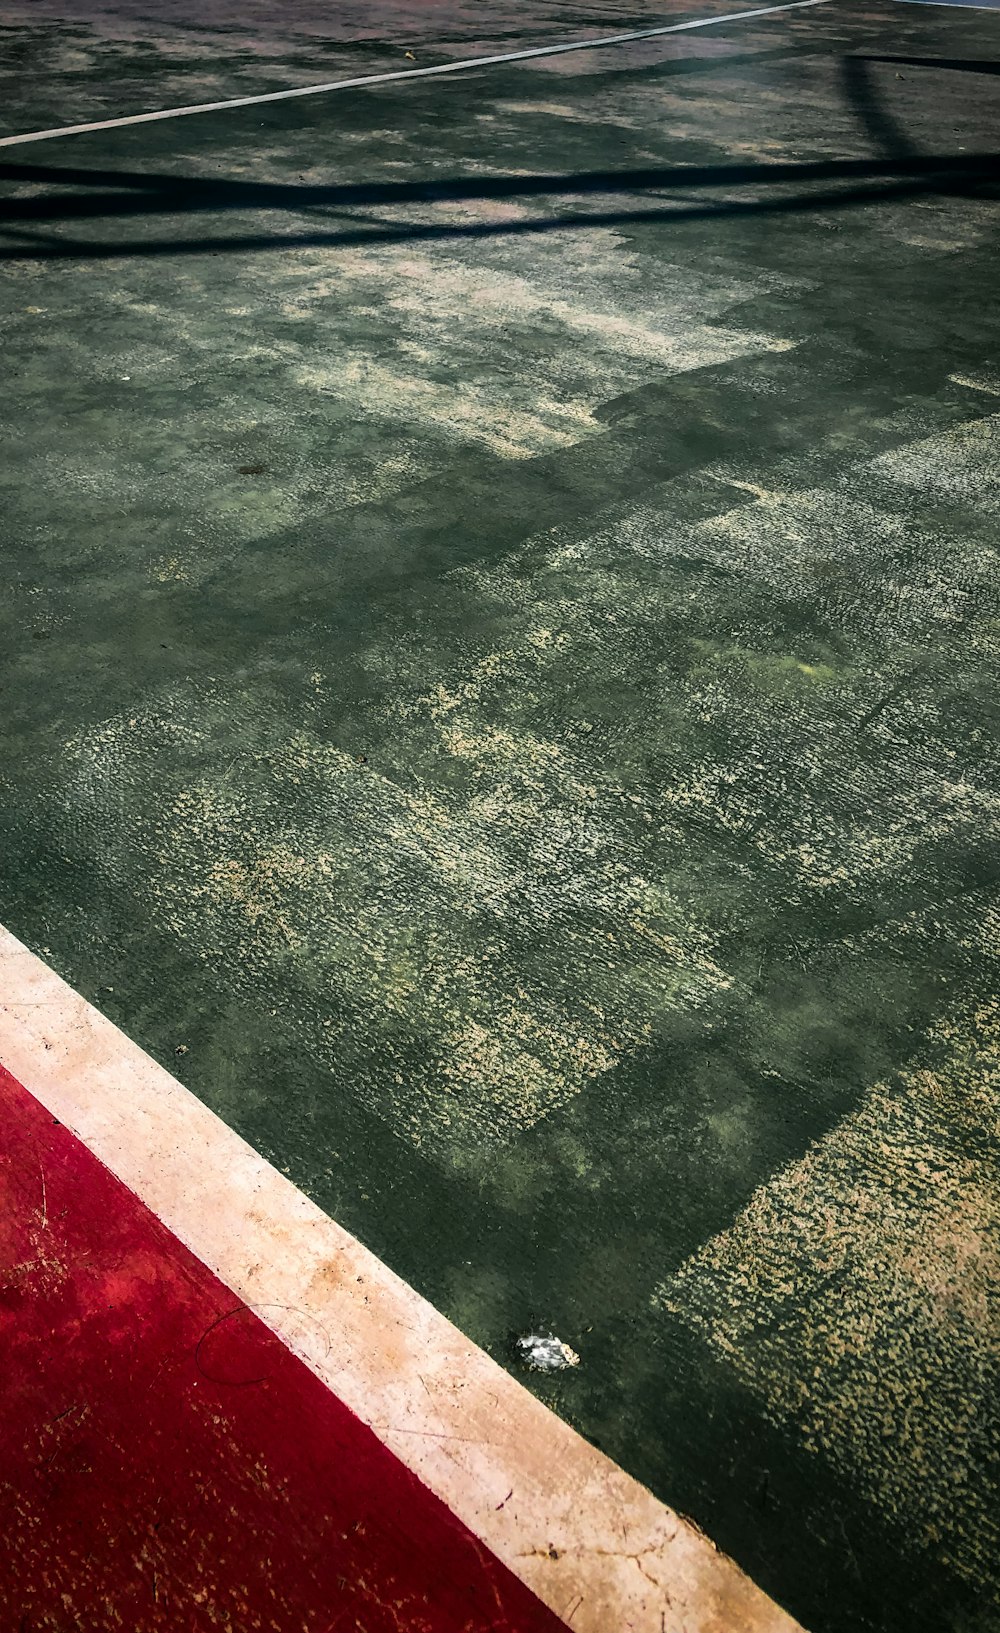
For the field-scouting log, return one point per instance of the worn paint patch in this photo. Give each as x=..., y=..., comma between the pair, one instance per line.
x=584, y=343
x=857, y=1295
x=959, y=465
x=618, y=598
x=468, y=872
x=372, y=911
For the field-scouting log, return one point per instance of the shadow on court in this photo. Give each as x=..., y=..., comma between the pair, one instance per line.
x=122, y=195
x=600, y=618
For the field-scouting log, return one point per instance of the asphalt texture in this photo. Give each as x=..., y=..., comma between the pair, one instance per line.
x=498, y=691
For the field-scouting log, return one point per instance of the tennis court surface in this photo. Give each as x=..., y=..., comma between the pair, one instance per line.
x=498, y=704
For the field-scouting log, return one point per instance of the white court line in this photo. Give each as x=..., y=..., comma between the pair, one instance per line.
x=403, y=73
x=595, y=1546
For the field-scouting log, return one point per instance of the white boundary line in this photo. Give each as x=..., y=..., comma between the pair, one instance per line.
x=571, y=1524
x=403, y=73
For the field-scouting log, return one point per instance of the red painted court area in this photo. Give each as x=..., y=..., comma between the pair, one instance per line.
x=165, y=1461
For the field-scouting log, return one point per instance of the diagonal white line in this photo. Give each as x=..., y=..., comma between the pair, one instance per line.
x=581, y=1533
x=402, y=73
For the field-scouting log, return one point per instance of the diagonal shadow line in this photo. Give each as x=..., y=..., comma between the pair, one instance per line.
x=977, y=178
x=885, y=132
x=960, y=65
x=162, y=194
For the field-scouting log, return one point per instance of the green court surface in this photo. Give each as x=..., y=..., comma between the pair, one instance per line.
x=498, y=691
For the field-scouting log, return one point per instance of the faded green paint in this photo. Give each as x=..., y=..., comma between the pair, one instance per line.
x=510, y=716
x=856, y=1294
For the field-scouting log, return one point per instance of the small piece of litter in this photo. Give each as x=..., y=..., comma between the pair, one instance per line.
x=543, y=1352
x=181, y=1049
x=410, y=55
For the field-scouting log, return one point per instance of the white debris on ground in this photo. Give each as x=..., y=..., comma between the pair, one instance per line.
x=543, y=1352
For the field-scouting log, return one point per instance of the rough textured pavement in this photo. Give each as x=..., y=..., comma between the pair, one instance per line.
x=498, y=665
